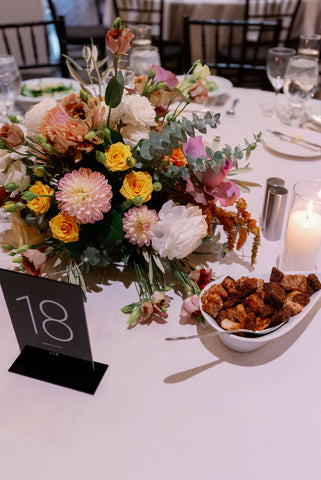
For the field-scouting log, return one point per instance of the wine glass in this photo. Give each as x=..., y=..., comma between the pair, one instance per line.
x=276, y=63
x=300, y=83
x=10, y=85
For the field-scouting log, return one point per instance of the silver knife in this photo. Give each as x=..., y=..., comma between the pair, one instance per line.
x=298, y=141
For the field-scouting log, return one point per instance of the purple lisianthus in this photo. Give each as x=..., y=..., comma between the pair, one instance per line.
x=162, y=75
x=211, y=179
x=226, y=193
x=194, y=147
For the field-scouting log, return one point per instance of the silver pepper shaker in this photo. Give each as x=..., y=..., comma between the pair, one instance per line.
x=274, y=212
x=271, y=182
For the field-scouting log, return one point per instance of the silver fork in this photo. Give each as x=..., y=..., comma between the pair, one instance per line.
x=231, y=110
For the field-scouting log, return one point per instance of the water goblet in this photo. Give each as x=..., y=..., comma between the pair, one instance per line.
x=276, y=63
x=10, y=85
x=300, y=84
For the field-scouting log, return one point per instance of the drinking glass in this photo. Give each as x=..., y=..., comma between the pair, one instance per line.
x=10, y=85
x=303, y=236
x=300, y=84
x=310, y=45
x=142, y=58
x=276, y=63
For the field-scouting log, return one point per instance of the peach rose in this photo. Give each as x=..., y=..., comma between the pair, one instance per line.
x=116, y=157
x=118, y=41
x=40, y=204
x=11, y=134
x=64, y=228
x=177, y=158
x=137, y=184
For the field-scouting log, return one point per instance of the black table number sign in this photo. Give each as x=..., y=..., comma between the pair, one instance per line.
x=49, y=321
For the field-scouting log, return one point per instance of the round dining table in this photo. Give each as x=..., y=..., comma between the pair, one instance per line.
x=185, y=409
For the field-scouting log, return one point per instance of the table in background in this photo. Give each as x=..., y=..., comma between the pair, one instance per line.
x=176, y=410
x=308, y=19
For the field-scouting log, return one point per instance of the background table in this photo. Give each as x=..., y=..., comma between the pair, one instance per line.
x=175, y=410
x=308, y=18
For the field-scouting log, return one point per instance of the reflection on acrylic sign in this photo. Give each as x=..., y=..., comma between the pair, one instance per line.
x=49, y=321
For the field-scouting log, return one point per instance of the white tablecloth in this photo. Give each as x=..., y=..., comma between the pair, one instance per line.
x=175, y=410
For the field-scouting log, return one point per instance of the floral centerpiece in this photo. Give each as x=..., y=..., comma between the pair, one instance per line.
x=118, y=174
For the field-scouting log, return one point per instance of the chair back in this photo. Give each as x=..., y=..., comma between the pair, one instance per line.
x=225, y=47
x=135, y=12
x=271, y=10
x=58, y=8
x=36, y=45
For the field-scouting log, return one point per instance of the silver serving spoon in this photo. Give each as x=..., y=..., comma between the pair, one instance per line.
x=230, y=332
x=231, y=111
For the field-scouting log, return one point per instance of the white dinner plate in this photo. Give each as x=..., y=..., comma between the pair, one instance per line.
x=223, y=84
x=35, y=82
x=249, y=344
x=291, y=148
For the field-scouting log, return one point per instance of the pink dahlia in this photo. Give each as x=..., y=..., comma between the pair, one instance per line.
x=137, y=224
x=84, y=195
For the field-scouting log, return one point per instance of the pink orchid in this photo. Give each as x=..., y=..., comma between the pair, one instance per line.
x=226, y=192
x=201, y=276
x=162, y=75
x=190, y=307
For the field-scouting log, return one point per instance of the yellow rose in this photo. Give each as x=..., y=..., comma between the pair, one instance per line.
x=137, y=183
x=64, y=228
x=116, y=157
x=40, y=204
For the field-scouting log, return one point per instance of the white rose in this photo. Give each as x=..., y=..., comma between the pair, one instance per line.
x=134, y=110
x=179, y=231
x=35, y=115
x=16, y=173
x=132, y=134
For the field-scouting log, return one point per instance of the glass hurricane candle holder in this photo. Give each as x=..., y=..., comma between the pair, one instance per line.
x=303, y=236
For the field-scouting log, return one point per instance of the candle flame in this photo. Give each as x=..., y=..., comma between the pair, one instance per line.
x=309, y=211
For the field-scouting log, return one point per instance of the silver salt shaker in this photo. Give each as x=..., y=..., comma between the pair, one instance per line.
x=274, y=212
x=271, y=182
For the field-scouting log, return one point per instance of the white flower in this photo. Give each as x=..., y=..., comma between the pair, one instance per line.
x=16, y=173
x=200, y=72
x=134, y=110
x=179, y=231
x=132, y=134
x=35, y=115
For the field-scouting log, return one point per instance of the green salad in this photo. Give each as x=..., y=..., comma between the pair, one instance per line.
x=40, y=90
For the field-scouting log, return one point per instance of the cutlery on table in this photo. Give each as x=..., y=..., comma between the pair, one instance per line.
x=298, y=141
x=231, y=111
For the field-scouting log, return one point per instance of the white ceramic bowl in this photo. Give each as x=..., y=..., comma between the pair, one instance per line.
x=247, y=344
x=45, y=82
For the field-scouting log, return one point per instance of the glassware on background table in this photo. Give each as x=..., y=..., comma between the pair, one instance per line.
x=300, y=83
x=127, y=74
x=142, y=58
x=10, y=85
x=310, y=46
x=143, y=34
x=276, y=63
x=303, y=237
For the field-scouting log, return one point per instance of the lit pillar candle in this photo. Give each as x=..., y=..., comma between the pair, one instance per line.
x=302, y=241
